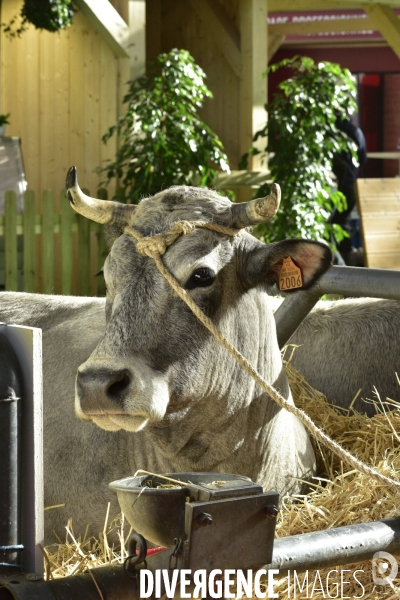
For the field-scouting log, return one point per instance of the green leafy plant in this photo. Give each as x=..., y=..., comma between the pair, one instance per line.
x=51, y=15
x=4, y=119
x=163, y=141
x=303, y=138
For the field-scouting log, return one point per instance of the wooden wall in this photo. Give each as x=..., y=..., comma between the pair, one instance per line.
x=62, y=92
x=174, y=24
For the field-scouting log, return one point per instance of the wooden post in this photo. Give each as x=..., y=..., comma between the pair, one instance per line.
x=102, y=249
x=153, y=29
x=84, y=253
x=29, y=242
x=10, y=248
x=48, y=242
x=137, y=38
x=253, y=88
x=66, y=246
x=387, y=22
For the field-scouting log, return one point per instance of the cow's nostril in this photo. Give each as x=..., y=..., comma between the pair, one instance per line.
x=119, y=384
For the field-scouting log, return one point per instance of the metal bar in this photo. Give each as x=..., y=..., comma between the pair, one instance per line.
x=347, y=281
x=316, y=550
x=339, y=546
x=112, y=581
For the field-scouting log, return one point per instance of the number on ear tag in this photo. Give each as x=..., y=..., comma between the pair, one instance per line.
x=290, y=275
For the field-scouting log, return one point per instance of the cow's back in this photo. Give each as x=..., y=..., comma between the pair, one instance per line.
x=348, y=345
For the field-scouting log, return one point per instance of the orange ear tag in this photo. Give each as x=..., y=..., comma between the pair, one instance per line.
x=290, y=275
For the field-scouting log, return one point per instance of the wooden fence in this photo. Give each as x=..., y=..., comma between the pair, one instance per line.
x=60, y=252
x=50, y=253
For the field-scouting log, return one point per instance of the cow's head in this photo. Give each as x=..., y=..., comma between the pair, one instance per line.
x=156, y=361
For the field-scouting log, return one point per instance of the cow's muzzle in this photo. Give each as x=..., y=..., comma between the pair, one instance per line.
x=119, y=398
x=103, y=391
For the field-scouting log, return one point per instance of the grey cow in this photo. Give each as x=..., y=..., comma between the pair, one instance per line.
x=350, y=345
x=164, y=394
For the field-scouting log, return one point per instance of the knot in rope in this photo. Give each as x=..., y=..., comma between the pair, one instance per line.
x=156, y=245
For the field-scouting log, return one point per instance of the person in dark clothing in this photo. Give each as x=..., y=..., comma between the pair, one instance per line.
x=346, y=174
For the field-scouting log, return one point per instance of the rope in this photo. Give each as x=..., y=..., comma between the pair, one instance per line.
x=156, y=245
x=145, y=247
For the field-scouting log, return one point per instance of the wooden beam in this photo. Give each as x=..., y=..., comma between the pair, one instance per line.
x=107, y=22
x=274, y=42
x=136, y=45
x=153, y=29
x=318, y=5
x=392, y=3
x=222, y=29
x=122, y=7
x=327, y=26
x=300, y=5
x=387, y=22
x=253, y=87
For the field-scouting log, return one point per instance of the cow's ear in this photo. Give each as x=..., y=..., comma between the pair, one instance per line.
x=265, y=261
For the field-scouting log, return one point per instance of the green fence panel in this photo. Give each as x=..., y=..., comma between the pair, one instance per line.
x=29, y=242
x=10, y=242
x=48, y=242
x=84, y=253
x=102, y=249
x=67, y=267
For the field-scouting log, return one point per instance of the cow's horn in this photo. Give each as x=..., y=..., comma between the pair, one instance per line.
x=101, y=211
x=256, y=211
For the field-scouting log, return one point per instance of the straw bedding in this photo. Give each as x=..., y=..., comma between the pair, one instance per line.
x=341, y=496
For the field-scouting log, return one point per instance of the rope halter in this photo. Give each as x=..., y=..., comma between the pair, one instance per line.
x=156, y=245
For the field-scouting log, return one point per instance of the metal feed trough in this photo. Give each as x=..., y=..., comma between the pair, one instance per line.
x=210, y=521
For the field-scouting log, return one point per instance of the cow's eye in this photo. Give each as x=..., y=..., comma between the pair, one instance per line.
x=200, y=278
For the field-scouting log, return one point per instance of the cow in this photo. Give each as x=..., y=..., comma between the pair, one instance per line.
x=347, y=349
x=154, y=389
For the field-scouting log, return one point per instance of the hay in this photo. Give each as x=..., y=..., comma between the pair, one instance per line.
x=78, y=555
x=341, y=496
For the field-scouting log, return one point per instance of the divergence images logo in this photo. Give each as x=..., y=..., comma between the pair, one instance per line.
x=382, y=568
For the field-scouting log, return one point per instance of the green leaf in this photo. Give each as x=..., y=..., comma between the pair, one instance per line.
x=163, y=141
x=302, y=138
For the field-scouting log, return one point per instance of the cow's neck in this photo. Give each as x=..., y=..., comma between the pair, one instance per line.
x=232, y=427
x=251, y=442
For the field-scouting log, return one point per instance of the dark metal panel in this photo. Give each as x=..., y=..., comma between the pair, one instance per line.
x=229, y=541
x=10, y=450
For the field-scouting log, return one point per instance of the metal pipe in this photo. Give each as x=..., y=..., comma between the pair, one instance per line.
x=340, y=546
x=10, y=409
x=112, y=581
x=316, y=550
x=291, y=313
x=346, y=281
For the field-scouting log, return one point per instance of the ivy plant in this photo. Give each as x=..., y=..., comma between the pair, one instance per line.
x=163, y=141
x=51, y=15
x=302, y=141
